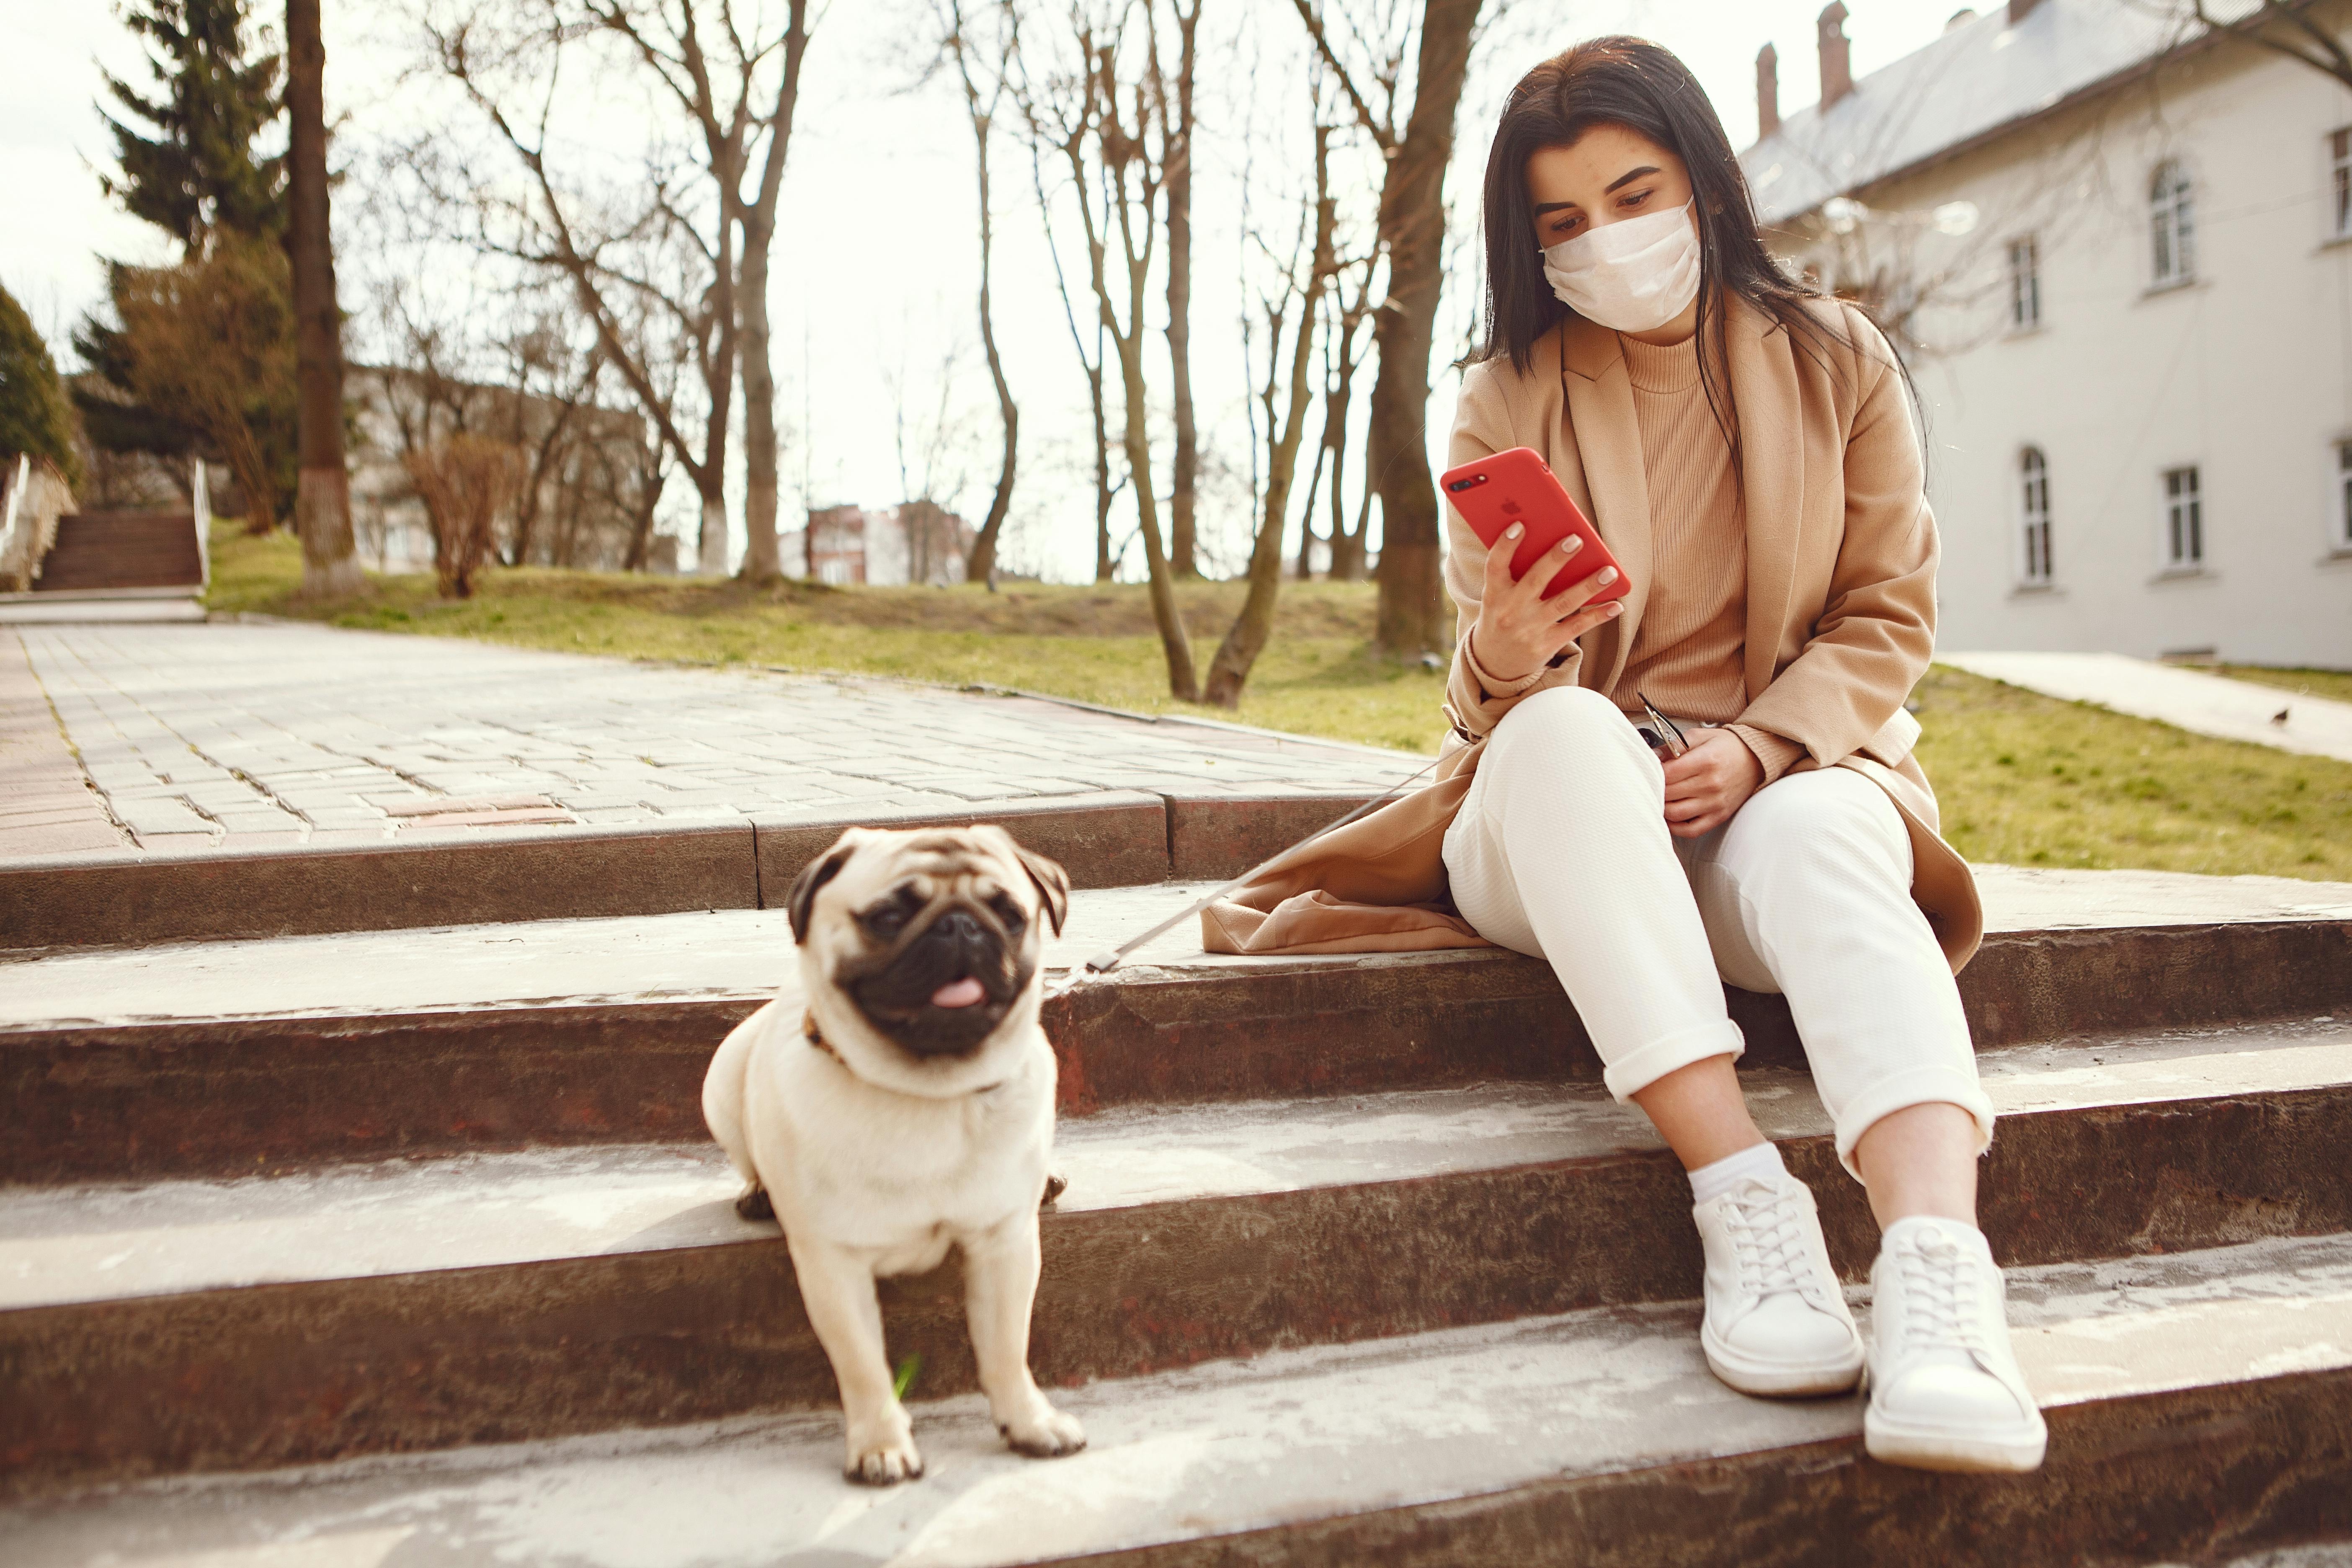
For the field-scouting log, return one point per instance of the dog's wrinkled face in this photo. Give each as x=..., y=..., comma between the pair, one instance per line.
x=933, y=935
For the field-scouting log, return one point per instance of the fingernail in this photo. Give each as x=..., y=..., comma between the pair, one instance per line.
x=1570, y=545
x=1514, y=530
x=1608, y=574
x=1617, y=608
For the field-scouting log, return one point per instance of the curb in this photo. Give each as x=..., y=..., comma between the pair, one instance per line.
x=1114, y=839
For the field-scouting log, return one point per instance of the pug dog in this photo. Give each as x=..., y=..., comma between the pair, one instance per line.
x=897, y=1100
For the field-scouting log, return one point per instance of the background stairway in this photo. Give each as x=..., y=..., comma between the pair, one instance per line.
x=1359, y=1263
x=104, y=550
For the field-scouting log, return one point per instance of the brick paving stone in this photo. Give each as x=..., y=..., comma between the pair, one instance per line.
x=312, y=732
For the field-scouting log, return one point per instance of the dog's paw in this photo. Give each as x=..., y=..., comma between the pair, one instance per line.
x=755, y=1204
x=1054, y=1187
x=1046, y=1433
x=884, y=1463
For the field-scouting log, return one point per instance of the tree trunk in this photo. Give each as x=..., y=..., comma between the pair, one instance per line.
x=1307, y=534
x=1229, y=671
x=710, y=543
x=1348, y=548
x=322, y=494
x=710, y=476
x=1183, y=683
x=1184, y=480
x=1412, y=225
x=981, y=565
x=762, y=561
x=1105, y=567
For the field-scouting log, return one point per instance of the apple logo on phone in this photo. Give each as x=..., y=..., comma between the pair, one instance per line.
x=1510, y=507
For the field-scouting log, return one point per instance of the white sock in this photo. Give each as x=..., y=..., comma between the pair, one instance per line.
x=1761, y=1163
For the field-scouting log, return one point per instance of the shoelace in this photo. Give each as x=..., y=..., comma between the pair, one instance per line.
x=1769, y=1233
x=1940, y=1285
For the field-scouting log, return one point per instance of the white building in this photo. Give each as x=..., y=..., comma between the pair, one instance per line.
x=2119, y=257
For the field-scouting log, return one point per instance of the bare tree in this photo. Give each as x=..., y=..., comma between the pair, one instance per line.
x=1413, y=240
x=1286, y=422
x=981, y=565
x=2284, y=26
x=550, y=382
x=1105, y=491
x=323, y=486
x=651, y=260
x=209, y=340
x=468, y=483
x=720, y=77
x=1083, y=111
x=1343, y=351
x=932, y=446
x=1175, y=111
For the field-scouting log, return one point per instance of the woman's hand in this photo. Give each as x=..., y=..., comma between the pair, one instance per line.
x=1519, y=630
x=1706, y=783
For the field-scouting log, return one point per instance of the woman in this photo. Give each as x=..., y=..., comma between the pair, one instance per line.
x=1746, y=448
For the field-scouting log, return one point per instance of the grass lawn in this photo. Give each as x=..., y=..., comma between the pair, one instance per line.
x=2333, y=684
x=2024, y=779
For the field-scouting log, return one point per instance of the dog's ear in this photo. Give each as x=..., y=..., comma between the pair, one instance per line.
x=815, y=875
x=1051, y=881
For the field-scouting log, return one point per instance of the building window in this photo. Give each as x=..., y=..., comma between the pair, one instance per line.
x=2172, y=223
x=2033, y=472
x=2184, y=520
x=2344, y=495
x=2024, y=284
x=2339, y=150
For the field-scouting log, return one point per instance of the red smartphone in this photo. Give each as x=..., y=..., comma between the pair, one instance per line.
x=1518, y=486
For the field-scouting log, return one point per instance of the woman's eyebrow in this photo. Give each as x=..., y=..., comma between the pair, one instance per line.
x=1543, y=207
x=1630, y=176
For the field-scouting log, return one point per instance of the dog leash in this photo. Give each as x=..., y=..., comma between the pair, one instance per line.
x=1110, y=957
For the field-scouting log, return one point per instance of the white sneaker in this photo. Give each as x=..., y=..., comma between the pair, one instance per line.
x=1944, y=1390
x=1776, y=1321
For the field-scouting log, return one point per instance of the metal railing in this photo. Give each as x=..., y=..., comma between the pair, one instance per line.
x=201, y=504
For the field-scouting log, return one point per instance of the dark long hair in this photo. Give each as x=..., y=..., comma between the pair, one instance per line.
x=1634, y=83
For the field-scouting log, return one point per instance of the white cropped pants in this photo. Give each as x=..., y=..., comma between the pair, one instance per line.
x=1561, y=852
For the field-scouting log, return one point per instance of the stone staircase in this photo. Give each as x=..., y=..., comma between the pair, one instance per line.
x=408, y=1245
x=99, y=549
x=116, y=566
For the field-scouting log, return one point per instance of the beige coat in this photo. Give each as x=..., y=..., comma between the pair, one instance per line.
x=1840, y=618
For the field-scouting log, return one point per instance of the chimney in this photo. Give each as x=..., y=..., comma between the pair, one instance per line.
x=2018, y=9
x=1837, y=62
x=1767, y=92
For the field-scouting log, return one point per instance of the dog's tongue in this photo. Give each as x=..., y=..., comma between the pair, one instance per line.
x=958, y=993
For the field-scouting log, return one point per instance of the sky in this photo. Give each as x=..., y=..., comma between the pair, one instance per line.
x=876, y=258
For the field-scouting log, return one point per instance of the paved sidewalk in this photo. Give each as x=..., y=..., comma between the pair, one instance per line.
x=2189, y=698
x=46, y=807
x=235, y=737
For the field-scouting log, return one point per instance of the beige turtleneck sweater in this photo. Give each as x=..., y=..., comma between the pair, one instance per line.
x=1687, y=654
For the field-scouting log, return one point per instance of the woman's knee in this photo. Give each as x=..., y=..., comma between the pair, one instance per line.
x=1831, y=826
x=1567, y=718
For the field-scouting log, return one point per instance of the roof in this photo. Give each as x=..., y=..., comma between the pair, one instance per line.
x=1981, y=78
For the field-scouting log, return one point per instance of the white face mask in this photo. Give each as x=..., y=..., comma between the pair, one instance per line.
x=1632, y=275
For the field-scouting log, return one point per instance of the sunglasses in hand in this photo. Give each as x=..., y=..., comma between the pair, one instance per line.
x=1661, y=735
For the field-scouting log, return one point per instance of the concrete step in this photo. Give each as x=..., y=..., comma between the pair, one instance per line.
x=423, y=876
x=127, y=607
x=99, y=549
x=2200, y=1405
x=185, y=1326
x=222, y=1058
